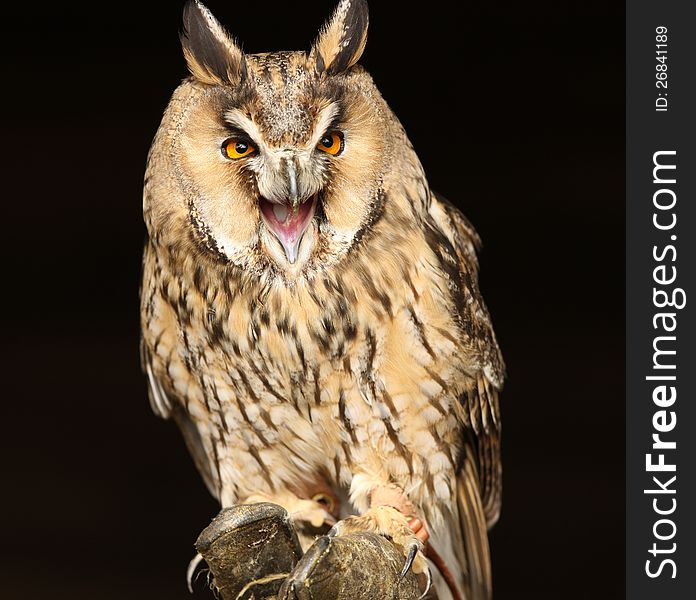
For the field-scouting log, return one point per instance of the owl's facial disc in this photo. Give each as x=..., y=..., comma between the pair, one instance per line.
x=287, y=223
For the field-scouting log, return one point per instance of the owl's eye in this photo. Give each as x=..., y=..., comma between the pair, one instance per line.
x=331, y=143
x=235, y=148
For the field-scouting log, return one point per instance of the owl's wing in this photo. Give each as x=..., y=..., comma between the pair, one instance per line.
x=480, y=477
x=163, y=407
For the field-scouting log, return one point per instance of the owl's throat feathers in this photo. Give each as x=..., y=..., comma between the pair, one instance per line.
x=288, y=221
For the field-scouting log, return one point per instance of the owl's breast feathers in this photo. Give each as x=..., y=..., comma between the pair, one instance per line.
x=384, y=363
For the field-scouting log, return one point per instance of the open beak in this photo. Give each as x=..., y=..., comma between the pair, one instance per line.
x=289, y=221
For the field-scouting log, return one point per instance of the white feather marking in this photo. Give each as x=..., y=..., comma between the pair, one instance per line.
x=159, y=402
x=323, y=120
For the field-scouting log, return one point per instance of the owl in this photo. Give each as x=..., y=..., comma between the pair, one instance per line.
x=311, y=314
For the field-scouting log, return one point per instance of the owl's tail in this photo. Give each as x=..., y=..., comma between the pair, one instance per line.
x=473, y=551
x=462, y=555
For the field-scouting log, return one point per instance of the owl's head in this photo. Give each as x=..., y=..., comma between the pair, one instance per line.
x=278, y=158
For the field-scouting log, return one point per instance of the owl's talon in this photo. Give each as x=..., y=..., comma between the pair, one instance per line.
x=428, y=584
x=412, y=553
x=193, y=565
x=333, y=532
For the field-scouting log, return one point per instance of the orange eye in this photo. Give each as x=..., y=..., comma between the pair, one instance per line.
x=331, y=143
x=235, y=148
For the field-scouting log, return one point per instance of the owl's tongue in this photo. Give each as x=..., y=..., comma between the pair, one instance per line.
x=288, y=225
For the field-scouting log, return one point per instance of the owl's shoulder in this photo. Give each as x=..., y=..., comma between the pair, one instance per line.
x=452, y=222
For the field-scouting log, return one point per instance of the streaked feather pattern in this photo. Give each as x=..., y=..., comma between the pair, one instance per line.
x=369, y=362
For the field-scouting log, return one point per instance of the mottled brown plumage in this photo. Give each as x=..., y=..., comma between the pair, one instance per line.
x=355, y=357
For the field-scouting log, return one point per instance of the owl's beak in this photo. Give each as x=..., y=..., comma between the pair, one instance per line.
x=288, y=222
x=293, y=195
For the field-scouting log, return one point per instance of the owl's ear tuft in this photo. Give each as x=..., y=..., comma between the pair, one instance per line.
x=342, y=40
x=211, y=54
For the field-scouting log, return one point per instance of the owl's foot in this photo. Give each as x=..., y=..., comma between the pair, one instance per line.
x=392, y=495
x=359, y=565
x=392, y=524
x=250, y=550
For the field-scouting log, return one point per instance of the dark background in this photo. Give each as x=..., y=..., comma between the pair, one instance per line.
x=517, y=112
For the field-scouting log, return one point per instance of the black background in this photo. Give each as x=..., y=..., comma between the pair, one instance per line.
x=517, y=112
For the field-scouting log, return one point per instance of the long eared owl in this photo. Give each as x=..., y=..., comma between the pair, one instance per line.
x=311, y=316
